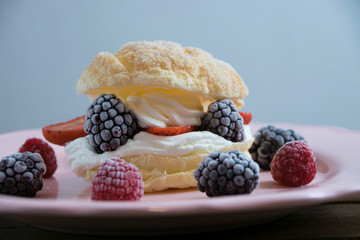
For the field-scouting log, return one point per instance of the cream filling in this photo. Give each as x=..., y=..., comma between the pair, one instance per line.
x=162, y=109
x=82, y=158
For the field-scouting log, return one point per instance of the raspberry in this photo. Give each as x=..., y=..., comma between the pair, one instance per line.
x=227, y=173
x=223, y=119
x=294, y=164
x=36, y=145
x=21, y=174
x=267, y=141
x=117, y=180
x=109, y=123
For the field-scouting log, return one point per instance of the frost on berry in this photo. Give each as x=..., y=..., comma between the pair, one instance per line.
x=268, y=140
x=117, y=180
x=223, y=119
x=110, y=123
x=227, y=173
x=18, y=177
x=37, y=145
x=294, y=164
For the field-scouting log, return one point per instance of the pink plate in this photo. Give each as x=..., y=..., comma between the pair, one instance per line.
x=64, y=204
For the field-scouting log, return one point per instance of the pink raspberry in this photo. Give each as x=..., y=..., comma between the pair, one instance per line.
x=117, y=180
x=294, y=164
x=37, y=145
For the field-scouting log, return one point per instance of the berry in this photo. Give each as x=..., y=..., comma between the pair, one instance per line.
x=21, y=174
x=247, y=116
x=223, y=118
x=170, y=131
x=109, y=123
x=294, y=164
x=36, y=145
x=117, y=180
x=227, y=173
x=64, y=132
x=267, y=141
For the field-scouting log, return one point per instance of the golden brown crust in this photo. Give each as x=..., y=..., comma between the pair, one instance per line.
x=162, y=64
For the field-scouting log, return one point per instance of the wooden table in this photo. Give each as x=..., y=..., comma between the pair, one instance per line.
x=336, y=220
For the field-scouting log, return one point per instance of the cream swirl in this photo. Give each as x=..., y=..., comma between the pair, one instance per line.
x=82, y=158
x=162, y=109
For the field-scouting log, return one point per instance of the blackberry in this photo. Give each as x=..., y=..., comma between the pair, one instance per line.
x=267, y=141
x=109, y=123
x=223, y=119
x=21, y=174
x=227, y=173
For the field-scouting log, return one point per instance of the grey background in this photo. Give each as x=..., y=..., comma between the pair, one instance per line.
x=300, y=59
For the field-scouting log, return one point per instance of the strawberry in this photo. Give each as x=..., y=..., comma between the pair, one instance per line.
x=170, y=131
x=247, y=116
x=61, y=133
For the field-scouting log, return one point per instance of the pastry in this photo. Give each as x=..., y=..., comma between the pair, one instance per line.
x=165, y=85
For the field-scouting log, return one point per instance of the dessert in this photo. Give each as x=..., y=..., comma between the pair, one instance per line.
x=162, y=116
x=166, y=88
x=294, y=164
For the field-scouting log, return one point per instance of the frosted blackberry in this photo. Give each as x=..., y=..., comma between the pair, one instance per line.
x=227, y=173
x=21, y=174
x=223, y=119
x=267, y=141
x=109, y=123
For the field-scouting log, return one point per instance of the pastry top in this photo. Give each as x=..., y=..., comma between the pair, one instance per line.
x=162, y=64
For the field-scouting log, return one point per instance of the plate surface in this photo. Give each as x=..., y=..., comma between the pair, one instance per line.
x=64, y=204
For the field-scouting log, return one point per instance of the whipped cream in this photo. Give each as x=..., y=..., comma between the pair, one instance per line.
x=82, y=158
x=162, y=109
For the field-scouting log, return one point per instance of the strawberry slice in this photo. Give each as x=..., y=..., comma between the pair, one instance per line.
x=247, y=116
x=170, y=131
x=61, y=133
